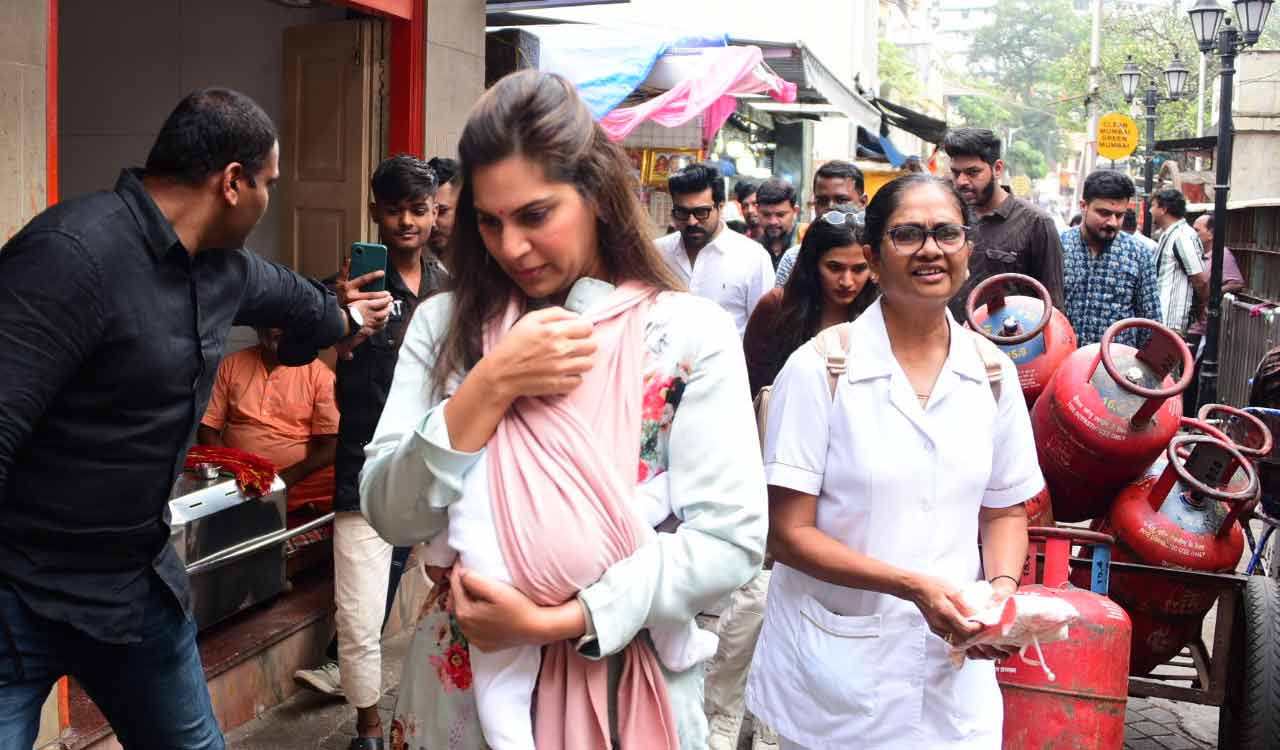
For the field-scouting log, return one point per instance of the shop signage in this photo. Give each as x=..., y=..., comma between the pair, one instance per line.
x=1117, y=136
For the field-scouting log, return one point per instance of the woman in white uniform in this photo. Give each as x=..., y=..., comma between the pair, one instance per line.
x=877, y=493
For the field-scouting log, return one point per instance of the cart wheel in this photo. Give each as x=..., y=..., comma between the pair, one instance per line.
x=1254, y=699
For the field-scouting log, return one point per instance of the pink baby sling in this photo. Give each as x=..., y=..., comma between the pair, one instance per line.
x=562, y=473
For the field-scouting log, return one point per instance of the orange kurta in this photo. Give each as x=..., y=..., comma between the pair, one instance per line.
x=271, y=414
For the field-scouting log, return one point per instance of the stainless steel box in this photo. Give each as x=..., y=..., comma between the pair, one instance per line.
x=232, y=545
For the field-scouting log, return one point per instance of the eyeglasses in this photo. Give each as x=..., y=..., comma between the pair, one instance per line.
x=836, y=218
x=680, y=213
x=908, y=238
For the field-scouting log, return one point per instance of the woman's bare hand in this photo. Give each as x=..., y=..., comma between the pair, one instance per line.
x=545, y=353
x=943, y=609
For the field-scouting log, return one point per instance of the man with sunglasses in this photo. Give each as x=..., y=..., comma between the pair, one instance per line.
x=719, y=264
x=1010, y=235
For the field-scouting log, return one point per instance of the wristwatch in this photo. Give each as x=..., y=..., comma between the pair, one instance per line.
x=355, y=321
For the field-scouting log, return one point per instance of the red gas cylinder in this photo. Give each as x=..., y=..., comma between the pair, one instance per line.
x=1040, y=509
x=1082, y=708
x=1107, y=412
x=1035, y=335
x=1230, y=425
x=1183, y=518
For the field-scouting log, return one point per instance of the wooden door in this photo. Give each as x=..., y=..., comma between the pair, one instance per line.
x=328, y=141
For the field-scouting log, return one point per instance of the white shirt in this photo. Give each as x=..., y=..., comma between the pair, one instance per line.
x=837, y=667
x=1179, y=256
x=733, y=270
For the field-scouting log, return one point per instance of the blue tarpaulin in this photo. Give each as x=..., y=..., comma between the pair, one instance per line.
x=607, y=63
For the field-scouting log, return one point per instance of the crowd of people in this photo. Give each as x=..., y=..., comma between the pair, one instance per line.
x=592, y=436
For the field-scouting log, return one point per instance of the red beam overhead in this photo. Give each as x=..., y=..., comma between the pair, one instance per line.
x=402, y=9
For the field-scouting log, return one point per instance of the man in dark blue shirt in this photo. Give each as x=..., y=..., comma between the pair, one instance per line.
x=114, y=310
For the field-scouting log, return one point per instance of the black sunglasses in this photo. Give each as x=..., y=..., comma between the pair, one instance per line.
x=700, y=213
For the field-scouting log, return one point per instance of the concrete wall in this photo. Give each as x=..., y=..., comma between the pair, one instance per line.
x=1256, y=110
x=455, y=70
x=23, y=36
x=124, y=64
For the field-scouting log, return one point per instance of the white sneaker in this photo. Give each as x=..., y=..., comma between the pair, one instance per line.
x=763, y=738
x=323, y=679
x=724, y=731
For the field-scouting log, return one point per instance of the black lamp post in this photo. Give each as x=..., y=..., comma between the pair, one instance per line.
x=1175, y=79
x=1213, y=35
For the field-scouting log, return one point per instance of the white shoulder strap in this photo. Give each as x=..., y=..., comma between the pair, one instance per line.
x=833, y=344
x=992, y=360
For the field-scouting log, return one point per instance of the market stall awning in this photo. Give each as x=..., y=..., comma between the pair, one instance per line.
x=607, y=63
x=819, y=90
x=699, y=82
x=922, y=126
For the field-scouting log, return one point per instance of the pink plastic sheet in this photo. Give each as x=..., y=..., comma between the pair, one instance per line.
x=731, y=70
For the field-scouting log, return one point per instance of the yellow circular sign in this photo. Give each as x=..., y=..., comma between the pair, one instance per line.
x=1117, y=136
x=1022, y=186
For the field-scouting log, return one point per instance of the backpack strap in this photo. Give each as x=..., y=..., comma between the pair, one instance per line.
x=833, y=344
x=992, y=360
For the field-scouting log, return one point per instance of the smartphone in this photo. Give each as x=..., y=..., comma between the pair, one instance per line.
x=366, y=257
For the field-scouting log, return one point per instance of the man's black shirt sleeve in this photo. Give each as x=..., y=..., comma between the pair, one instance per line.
x=305, y=309
x=43, y=338
x=1046, y=259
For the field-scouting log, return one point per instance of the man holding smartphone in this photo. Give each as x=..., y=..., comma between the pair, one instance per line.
x=114, y=310
x=366, y=569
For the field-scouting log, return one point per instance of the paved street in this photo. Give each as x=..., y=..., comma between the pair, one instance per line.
x=308, y=720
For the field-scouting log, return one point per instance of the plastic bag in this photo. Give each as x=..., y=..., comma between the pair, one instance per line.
x=1024, y=620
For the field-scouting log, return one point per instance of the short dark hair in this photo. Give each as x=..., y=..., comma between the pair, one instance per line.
x=403, y=177
x=1107, y=184
x=695, y=178
x=737, y=225
x=841, y=170
x=446, y=169
x=1171, y=200
x=890, y=196
x=744, y=189
x=978, y=142
x=1076, y=220
x=209, y=129
x=775, y=191
x=1208, y=220
x=1130, y=221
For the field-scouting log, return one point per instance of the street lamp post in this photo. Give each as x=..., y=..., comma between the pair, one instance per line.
x=1213, y=35
x=1175, y=78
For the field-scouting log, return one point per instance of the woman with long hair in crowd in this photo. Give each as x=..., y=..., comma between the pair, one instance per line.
x=517, y=423
x=832, y=283
x=876, y=493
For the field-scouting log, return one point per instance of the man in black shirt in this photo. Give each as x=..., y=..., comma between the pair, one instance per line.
x=114, y=310
x=1009, y=234
x=366, y=568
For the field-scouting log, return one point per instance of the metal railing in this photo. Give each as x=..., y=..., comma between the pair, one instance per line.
x=1249, y=329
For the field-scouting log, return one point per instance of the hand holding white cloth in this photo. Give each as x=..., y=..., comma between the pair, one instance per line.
x=1023, y=619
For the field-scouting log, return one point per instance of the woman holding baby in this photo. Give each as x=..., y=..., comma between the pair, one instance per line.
x=546, y=415
x=879, y=483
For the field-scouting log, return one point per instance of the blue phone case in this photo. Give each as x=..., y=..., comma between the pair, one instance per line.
x=367, y=257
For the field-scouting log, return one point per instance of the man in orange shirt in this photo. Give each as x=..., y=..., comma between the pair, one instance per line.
x=286, y=415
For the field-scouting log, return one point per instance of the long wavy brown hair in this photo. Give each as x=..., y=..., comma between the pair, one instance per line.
x=540, y=117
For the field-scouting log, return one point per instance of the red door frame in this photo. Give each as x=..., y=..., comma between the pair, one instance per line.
x=51, y=108
x=408, y=71
x=407, y=85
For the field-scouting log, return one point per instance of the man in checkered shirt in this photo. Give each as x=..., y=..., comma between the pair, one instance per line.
x=1107, y=275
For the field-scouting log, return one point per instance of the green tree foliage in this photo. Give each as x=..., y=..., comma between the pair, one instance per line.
x=1152, y=36
x=1013, y=61
x=898, y=76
